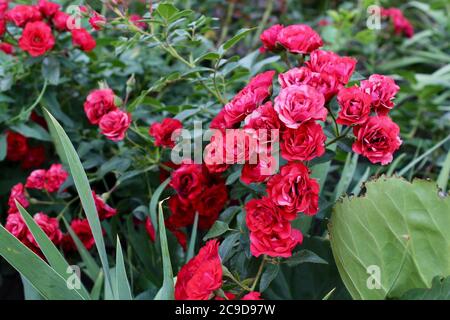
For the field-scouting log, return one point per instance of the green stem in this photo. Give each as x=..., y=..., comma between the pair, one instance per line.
x=263, y=22
x=336, y=139
x=258, y=275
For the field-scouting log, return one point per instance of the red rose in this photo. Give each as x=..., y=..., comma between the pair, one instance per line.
x=377, y=139
x=55, y=177
x=136, y=19
x=104, y=211
x=401, y=24
x=35, y=157
x=355, y=106
x=3, y=6
x=259, y=172
x=210, y=204
x=219, y=121
x=164, y=132
x=48, y=8
x=37, y=38
x=2, y=28
x=305, y=143
x=181, y=238
x=60, y=20
x=299, y=38
x=36, y=179
x=263, y=121
x=83, y=231
x=297, y=104
x=97, y=21
x=269, y=38
x=17, y=194
x=183, y=213
x=22, y=14
x=265, y=217
x=17, y=227
x=274, y=244
x=215, y=154
x=188, y=180
x=17, y=146
x=150, y=229
x=329, y=62
x=201, y=276
x=6, y=47
x=50, y=226
x=98, y=103
x=293, y=190
x=83, y=39
x=115, y=124
x=323, y=82
x=252, y=296
x=382, y=90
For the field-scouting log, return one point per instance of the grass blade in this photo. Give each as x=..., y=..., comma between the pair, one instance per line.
x=123, y=290
x=190, y=252
x=444, y=175
x=347, y=175
x=154, y=202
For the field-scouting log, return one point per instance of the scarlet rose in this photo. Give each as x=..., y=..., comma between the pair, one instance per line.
x=274, y=244
x=98, y=103
x=5, y=46
x=188, y=180
x=265, y=217
x=60, y=20
x=104, y=210
x=2, y=28
x=355, y=106
x=83, y=231
x=163, y=132
x=17, y=227
x=297, y=104
x=252, y=296
x=211, y=203
x=401, y=24
x=136, y=19
x=377, y=139
x=382, y=90
x=37, y=38
x=269, y=38
x=182, y=213
x=48, y=8
x=97, y=21
x=17, y=146
x=299, y=38
x=55, y=177
x=201, y=276
x=304, y=144
x=293, y=190
x=36, y=179
x=22, y=14
x=115, y=124
x=259, y=172
x=83, y=39
x=215, y=155
x=50, y=226
x=35, y=157
x=329, y=62
x=181, y=238
x=264, y=123
x=150, y=229
x=17, y=194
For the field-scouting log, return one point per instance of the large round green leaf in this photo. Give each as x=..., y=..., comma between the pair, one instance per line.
x=399, y=231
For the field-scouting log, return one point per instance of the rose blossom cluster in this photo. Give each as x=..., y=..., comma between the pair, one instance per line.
x=19, y=149
x=50, y=181
x=201, y=277
x=198, y=191
x=101, y=109
x=40, y=23
x=400, y=22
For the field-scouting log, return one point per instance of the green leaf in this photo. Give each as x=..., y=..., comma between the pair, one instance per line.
x=347, y=175
x=3, y=146
x=440, y=290
x=32, y=130
x=268, y=276
x=29, y=292
x=304, y=256
x=233, y=177
x=92, y=268
x=84, y=191
x=51, y=70
x=98, y=285
x=190, y=251
x=166, y=10
x=167, y=290
x=444, y=175
x=398, y=228
x=154, y=202
x=51, y=253
x=217, y=229
x=123, y=290
x=41, y=276
x=241, y=34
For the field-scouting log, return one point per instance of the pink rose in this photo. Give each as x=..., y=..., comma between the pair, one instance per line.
x=50, y=226
x=17, y=194
x=297, y=104
x=355, y=106
x=115, y=124
x=55, y=177
x=20, y=15
x=299, y=38
x=329, y=62
x=59, y=20
x=269, y=38
x=48, y=8
x=36, y=179
x=98, y=103
x=382, y=90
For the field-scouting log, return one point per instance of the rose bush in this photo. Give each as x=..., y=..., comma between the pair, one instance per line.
x=209, y=151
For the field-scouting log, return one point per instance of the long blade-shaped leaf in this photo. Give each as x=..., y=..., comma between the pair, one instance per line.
x=123, y=290
x=84, y=191
x=41, y=276
x=51, y=253
x=190, y=252
x=167, y=290
x=154, y=202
